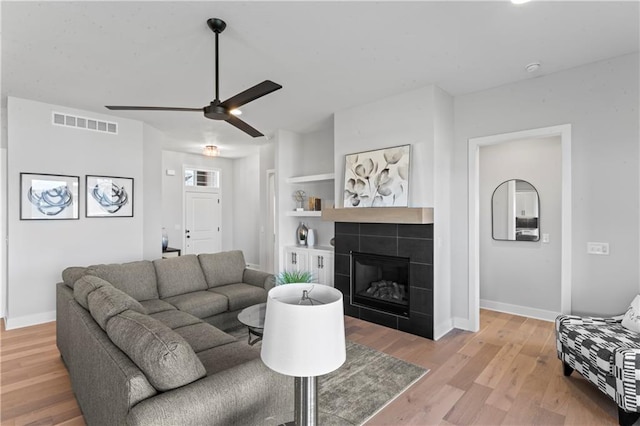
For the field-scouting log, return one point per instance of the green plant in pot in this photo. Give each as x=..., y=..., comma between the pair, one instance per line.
x=291, y=277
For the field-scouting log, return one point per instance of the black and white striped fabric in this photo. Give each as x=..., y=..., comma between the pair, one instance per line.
x=605, y=353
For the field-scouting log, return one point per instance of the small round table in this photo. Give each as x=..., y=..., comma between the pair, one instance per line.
x=253, y=318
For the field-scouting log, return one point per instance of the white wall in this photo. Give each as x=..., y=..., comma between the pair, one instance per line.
x=172, y=191
x=38, y=251
x=3, y=232
x=152, y=174
x=246, y=207
x=522, y=273
x=600, y=101
x=404, y=119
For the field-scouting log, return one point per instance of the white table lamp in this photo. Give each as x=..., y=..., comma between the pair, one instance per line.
x=304, y=337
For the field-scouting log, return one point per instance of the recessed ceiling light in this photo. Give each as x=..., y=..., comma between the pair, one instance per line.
x=533, y=67
x=520, y=1
x=235, y=112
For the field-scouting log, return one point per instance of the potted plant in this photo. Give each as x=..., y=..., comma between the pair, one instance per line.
x=290, y=277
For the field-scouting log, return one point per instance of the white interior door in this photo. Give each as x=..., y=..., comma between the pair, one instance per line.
x=202, y=223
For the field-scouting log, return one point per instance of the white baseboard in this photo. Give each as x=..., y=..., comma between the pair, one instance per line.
x=524, y=311
x=462, y=324
x=441, y=329
x=27, y=320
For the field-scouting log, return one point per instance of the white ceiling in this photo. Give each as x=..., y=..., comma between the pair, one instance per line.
x=328, y=55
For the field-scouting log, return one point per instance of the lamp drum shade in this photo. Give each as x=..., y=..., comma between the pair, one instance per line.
x=303, y=340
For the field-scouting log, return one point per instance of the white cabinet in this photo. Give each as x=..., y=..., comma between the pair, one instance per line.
x=296, y=259
x=322, y=266
x=318, y=261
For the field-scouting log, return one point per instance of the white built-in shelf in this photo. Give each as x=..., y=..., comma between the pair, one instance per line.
x=306, y=213
x=311, y=178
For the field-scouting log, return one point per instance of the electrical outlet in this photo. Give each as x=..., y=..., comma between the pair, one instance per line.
x=598, y=248
x=545, y=238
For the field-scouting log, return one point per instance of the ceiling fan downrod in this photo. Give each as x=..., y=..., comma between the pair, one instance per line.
x=217, y=26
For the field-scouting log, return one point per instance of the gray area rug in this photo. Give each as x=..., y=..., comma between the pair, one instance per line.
x=366, y=383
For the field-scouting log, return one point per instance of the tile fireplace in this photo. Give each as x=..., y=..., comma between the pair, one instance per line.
x=385, y=272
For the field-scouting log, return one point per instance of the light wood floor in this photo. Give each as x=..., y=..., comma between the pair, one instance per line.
x=508, y=373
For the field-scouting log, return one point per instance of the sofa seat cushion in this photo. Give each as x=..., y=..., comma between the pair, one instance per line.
x=201, y=304
x=203, y=336
x=175, y=318
x=597, y=342
x=241, y=295
x=137, y=279
x=223, y=268
x=227, y=356
x=154, y=306
x=179, y=275
x=163, y=355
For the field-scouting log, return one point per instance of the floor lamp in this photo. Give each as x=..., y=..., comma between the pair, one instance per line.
x=304, y=337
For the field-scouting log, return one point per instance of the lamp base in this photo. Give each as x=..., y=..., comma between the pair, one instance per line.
x=305, y=400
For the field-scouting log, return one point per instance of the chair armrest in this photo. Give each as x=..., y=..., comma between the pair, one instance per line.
x=626, y=369
x=259, y=278
x=577, y=320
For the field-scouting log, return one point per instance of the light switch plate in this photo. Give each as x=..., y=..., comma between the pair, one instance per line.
x=598, y=248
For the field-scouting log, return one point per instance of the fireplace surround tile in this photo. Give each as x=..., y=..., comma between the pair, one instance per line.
x=347, y=228
x=421, y=275
x=347, y=243
x=415, y=231
x=387, y=246
x=380, y=229
x=418, y=250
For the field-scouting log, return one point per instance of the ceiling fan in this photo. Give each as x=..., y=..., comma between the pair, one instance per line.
x=217, y=110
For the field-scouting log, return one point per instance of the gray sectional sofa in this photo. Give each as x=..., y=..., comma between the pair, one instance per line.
x=145, y=343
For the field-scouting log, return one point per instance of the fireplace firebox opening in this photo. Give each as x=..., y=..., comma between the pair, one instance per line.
x=380, y=282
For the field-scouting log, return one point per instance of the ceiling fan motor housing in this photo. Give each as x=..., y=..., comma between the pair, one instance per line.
x=215, y=111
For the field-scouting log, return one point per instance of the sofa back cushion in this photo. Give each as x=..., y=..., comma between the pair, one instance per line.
x=84, y=286
x=164, y=356
x=107, y=302
x=223, y=268
x=137, y=279
x=72, y=274
x=179, y=275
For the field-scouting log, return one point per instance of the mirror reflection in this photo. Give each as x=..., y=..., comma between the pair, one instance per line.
x=515, y=208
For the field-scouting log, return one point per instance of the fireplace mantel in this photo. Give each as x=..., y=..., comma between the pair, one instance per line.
x=379, y=215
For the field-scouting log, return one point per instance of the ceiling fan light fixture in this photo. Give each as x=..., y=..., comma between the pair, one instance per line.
x=235, y=112
x=211, y=151
x=532, y=67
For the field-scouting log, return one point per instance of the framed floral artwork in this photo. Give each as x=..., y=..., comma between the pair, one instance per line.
x=378, y=178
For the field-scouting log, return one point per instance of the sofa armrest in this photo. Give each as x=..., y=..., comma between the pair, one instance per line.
x=259, y=278
x=627, y=373
x=249, y=393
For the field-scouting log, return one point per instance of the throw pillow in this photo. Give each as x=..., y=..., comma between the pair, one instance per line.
x=631, y=319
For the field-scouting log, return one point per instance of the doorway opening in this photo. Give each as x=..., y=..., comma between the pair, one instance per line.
x=564, y=133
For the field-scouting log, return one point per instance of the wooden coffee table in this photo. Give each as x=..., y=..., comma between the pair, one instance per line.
x=253, y=318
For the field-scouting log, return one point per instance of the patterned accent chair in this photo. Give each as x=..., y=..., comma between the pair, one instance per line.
x=605, y=353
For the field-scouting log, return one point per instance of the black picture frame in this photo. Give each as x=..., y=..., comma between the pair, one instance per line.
x=46, y=196
x=109, y=196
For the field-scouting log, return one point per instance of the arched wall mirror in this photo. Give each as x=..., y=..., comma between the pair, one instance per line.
x=515, y=211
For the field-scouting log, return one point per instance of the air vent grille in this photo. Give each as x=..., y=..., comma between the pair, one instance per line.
x=60, y=119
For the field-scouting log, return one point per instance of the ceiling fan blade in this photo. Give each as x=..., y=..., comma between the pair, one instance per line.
x=149, y=108
x=235, y=121
x=251, y=94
